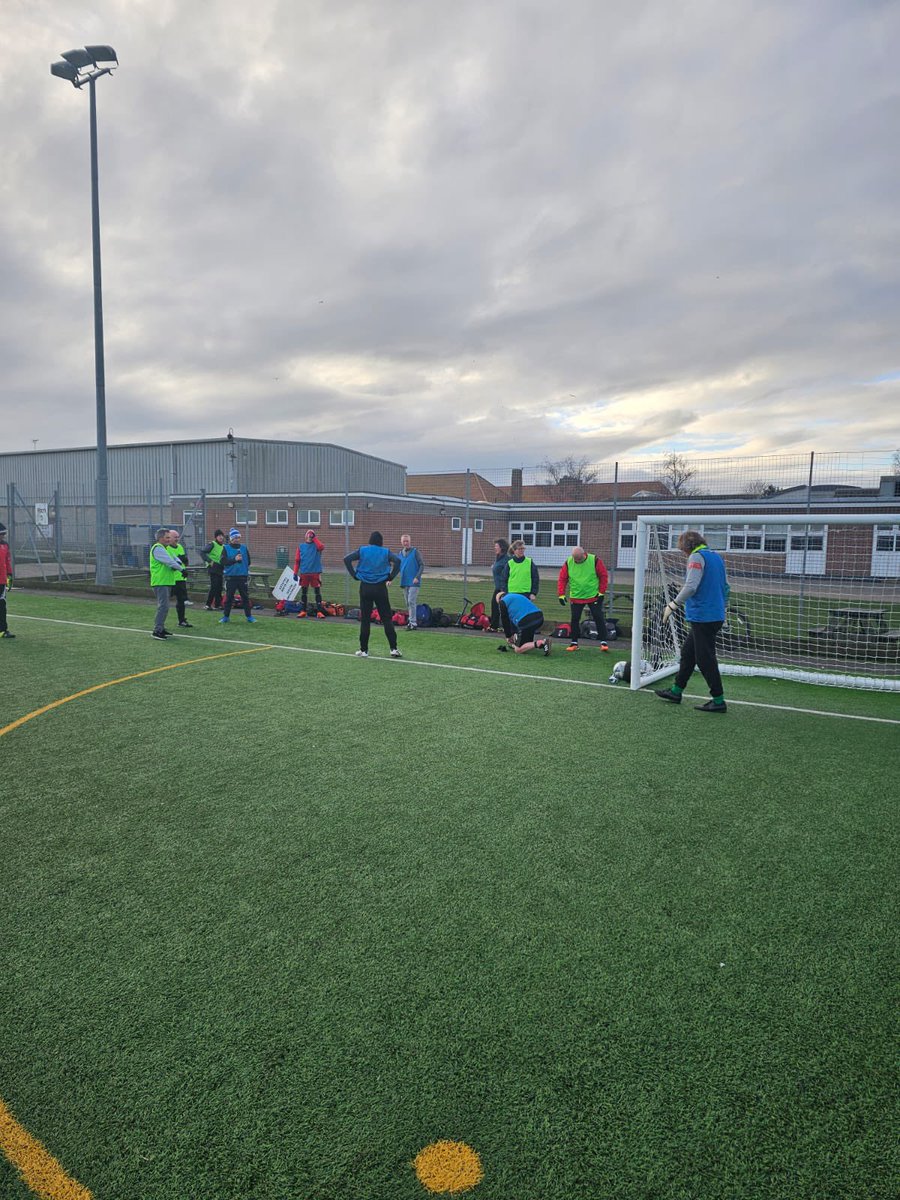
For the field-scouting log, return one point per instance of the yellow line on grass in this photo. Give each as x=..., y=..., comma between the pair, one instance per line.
x=37, y=1166
x=98, y=687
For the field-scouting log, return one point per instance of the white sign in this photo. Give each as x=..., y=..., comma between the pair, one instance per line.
x=42, y=514
x=285, y=588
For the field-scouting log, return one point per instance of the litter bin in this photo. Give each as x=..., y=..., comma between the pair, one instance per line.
x=281, y=557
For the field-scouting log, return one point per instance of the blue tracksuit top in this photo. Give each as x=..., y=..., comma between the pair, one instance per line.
x=411, y=567
x=310, y=559
x=497, y=570
x=235, y=560
x=708, y=602
x=518, y=607
x=375, y=564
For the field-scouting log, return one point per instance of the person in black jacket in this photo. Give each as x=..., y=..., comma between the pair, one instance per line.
x=501, y=550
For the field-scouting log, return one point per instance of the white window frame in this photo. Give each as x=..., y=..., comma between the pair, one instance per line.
x=456, y=524
x=342, y=517
x=278, y=512
x=305, y=516
x=562, y=534
x=247, y=513
x=479, y=525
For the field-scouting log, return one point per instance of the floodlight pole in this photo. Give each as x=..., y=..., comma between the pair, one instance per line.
x=104, y=563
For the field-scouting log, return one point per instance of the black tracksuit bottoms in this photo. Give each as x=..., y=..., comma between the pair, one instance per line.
x=375, y=595
x=699, y=650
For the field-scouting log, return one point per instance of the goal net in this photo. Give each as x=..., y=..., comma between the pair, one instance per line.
x=816, y=601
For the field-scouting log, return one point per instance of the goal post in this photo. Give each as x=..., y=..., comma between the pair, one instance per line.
x=814, y=598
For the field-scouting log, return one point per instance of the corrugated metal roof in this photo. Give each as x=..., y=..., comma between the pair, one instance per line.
x=146, y=470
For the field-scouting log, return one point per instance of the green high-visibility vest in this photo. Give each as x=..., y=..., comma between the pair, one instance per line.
x=216, y=551
x=160, y=574
x=179, y=549
x=583, y=581
x=520, y=576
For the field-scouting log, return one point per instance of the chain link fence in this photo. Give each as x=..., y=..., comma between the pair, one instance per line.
x=454, y=517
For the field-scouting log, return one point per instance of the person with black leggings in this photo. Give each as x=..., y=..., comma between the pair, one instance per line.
x=375, y=567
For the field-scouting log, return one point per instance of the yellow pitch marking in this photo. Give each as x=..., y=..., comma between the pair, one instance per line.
x=38, y=1168
x=98, y=687
x=448, y=1167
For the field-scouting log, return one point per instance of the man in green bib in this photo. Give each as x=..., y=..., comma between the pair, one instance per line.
x=165, y=568
x=586, y=578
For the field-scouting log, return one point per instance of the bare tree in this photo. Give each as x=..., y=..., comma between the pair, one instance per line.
x=677, y=475
x=759, y=489
x=570, y=475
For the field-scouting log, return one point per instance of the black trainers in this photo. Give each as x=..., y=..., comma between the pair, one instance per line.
x=159, y=635
x=503, y=649
x=546, y=647
x=185, y=625
x=710, y=706
x=668, y=694
x=7, y=634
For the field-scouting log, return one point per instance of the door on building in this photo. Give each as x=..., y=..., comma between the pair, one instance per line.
x=886, y=551
x=625, y=556
x=806, y=550
x=547, y=543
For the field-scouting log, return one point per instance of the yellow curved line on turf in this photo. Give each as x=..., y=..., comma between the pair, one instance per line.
x=38, y=1168
x=98, y=687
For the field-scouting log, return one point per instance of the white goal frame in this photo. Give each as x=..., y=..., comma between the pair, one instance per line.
x=646, y=673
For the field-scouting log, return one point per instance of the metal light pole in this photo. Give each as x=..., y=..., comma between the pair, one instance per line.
x=82, y=67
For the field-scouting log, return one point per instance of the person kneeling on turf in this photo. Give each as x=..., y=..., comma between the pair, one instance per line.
x=521, y=620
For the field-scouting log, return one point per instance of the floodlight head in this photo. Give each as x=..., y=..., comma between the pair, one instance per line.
x=101, y=54
x=65, y=70
x=78, y=58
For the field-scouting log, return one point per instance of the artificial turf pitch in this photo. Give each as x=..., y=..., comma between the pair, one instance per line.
x=275, y=922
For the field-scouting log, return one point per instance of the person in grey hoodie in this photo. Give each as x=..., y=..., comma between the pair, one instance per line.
x=501, y=550
x=411, y=568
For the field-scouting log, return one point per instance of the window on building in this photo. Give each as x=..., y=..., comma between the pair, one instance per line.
x=456, y=524
x=276, y=516
x=245, y=516
x=309, y=516
x=479, y=525
x=341, y=516
x=545, y=533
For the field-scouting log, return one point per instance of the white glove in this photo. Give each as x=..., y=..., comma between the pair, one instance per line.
x=667, y=611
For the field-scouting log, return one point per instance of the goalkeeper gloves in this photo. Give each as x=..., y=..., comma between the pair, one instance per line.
x=562, y=601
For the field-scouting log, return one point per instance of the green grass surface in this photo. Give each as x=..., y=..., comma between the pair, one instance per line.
x=274, y=923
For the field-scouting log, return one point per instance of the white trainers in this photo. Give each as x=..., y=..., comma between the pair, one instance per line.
x=362, y=654
x=396, y=654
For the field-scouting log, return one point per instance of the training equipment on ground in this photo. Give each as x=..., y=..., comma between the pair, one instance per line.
x=423, y=615
x=813, y=601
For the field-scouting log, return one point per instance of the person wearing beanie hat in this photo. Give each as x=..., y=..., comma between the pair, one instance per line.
x=308, y=571
x=236, y=570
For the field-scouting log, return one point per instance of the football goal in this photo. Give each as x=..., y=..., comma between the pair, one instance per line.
x=815, y=600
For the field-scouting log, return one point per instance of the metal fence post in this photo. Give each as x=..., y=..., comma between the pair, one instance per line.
x=467, y=534
x=800, y=604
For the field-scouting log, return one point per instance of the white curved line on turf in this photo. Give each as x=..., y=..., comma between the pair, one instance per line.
x=412, y=662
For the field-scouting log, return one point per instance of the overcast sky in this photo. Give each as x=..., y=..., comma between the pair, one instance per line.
x=463, y=233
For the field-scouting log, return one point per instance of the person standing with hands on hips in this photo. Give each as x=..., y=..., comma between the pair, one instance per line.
x=411, y=568
x=236, y=569
x=586, y=577
x=308, y=572
x=376, y=567
x=704, y=596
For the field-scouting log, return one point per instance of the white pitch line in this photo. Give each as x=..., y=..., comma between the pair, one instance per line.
x=197, y=637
